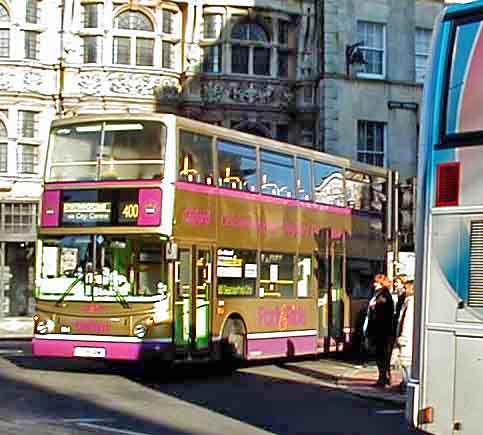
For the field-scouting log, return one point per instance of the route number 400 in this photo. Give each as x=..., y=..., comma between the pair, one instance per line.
x=130, y=211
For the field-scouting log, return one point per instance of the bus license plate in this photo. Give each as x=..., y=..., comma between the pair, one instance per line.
x=90, y=352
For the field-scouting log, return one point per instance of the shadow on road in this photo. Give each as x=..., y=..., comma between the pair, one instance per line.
x=265, y=396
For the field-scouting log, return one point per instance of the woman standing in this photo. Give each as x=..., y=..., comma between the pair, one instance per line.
x=381, y=327
x=404, y=334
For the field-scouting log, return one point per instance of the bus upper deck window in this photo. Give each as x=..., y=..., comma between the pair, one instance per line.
x=195, y=158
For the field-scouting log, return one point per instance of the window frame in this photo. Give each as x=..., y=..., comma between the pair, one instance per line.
x=132, y=35
x=22, y=127
x=363, y=48
x=419, y=54
x=98, y=49
x=32, y=12
x=27, y=167
x=374, y=152
x=31, y=52
x=251, y=44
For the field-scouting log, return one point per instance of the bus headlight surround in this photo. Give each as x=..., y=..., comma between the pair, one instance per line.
x=45, y=326
x=140, y=331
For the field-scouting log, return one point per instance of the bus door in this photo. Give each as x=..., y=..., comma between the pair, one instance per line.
x=193, y=279
x=331, y=307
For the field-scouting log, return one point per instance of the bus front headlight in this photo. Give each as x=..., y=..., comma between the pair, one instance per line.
x=140, y=331
x=45, y=326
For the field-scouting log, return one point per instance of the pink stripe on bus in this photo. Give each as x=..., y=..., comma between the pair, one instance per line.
x=211, y=190
x=118, y=350
x=281, y=346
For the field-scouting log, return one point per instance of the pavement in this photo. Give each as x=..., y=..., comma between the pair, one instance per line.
x=16, y=328
x=354, y=378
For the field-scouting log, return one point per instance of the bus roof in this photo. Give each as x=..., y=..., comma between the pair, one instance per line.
x=463, y=9
x=230, y=134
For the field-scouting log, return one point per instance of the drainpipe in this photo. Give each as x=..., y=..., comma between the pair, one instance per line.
x=60, y=90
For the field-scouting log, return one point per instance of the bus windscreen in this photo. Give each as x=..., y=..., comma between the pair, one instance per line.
x=107, y=151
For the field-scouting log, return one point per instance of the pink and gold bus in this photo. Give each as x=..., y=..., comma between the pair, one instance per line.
x=165, y=237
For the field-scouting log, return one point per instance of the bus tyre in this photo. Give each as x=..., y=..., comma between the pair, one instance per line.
x=234, y=343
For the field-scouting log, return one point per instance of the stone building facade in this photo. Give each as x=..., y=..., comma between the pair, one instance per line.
x=253, y=65
x=375, y=54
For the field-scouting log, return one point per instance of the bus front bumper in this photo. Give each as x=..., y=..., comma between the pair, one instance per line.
x=99, y=347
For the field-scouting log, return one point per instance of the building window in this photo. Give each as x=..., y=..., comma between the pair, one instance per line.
x=168, y=21
x=31, y=45
x=92, y=49
x=32, y=11
x=144, y=51
x=283, y=32
x=212, y=25
x=4, y=17
x=168, y=55
x=92, y=15
x=27, y=159
x=133, y=40
x=281, y=132
x=4, y=33
x=422, y=44
x=18, y=217
x=282, y=64
x=3, y=148
x=370, y=142
x=3, y=157
x=27, y=123
x=212, y=57
x=372, y=36
x=251, y=49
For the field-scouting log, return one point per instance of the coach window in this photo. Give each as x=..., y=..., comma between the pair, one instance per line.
x=236, y=272
x=195, y=158
x=277, y=174
x=276, y=275
x=237, y=166
x=328, y=184
x=303, y=182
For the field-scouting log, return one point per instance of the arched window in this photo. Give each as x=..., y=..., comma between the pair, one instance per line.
x=134, y=37
x=3, y=147
x=4, y=32
x=4, y=17
x=251, y=50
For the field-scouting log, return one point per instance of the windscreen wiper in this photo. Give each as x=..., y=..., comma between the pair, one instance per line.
x=68, y=290
x=120, y=298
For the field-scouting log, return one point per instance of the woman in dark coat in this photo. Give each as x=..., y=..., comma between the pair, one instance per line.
x=381, y=327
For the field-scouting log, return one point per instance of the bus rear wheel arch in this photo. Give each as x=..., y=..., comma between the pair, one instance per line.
x=234, y=340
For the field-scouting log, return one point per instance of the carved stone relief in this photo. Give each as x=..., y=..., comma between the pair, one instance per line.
x=90, y=83
x=32, y=81
x=259, y=93
x=6, y=80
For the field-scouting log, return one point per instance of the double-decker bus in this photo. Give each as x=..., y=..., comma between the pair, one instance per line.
x=165, y=237
x=447, y=367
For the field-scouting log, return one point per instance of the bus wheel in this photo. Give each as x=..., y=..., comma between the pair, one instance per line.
x=234, y=341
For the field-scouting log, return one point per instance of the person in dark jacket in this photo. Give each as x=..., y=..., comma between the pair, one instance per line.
x=381, y=327
x=400, y=289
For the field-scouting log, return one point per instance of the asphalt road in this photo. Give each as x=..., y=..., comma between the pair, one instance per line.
x=57, y=397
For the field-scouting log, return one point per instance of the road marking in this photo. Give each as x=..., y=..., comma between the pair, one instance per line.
x=111, y=429
x=10, y=351
x=390, y=411
x=63, y=420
